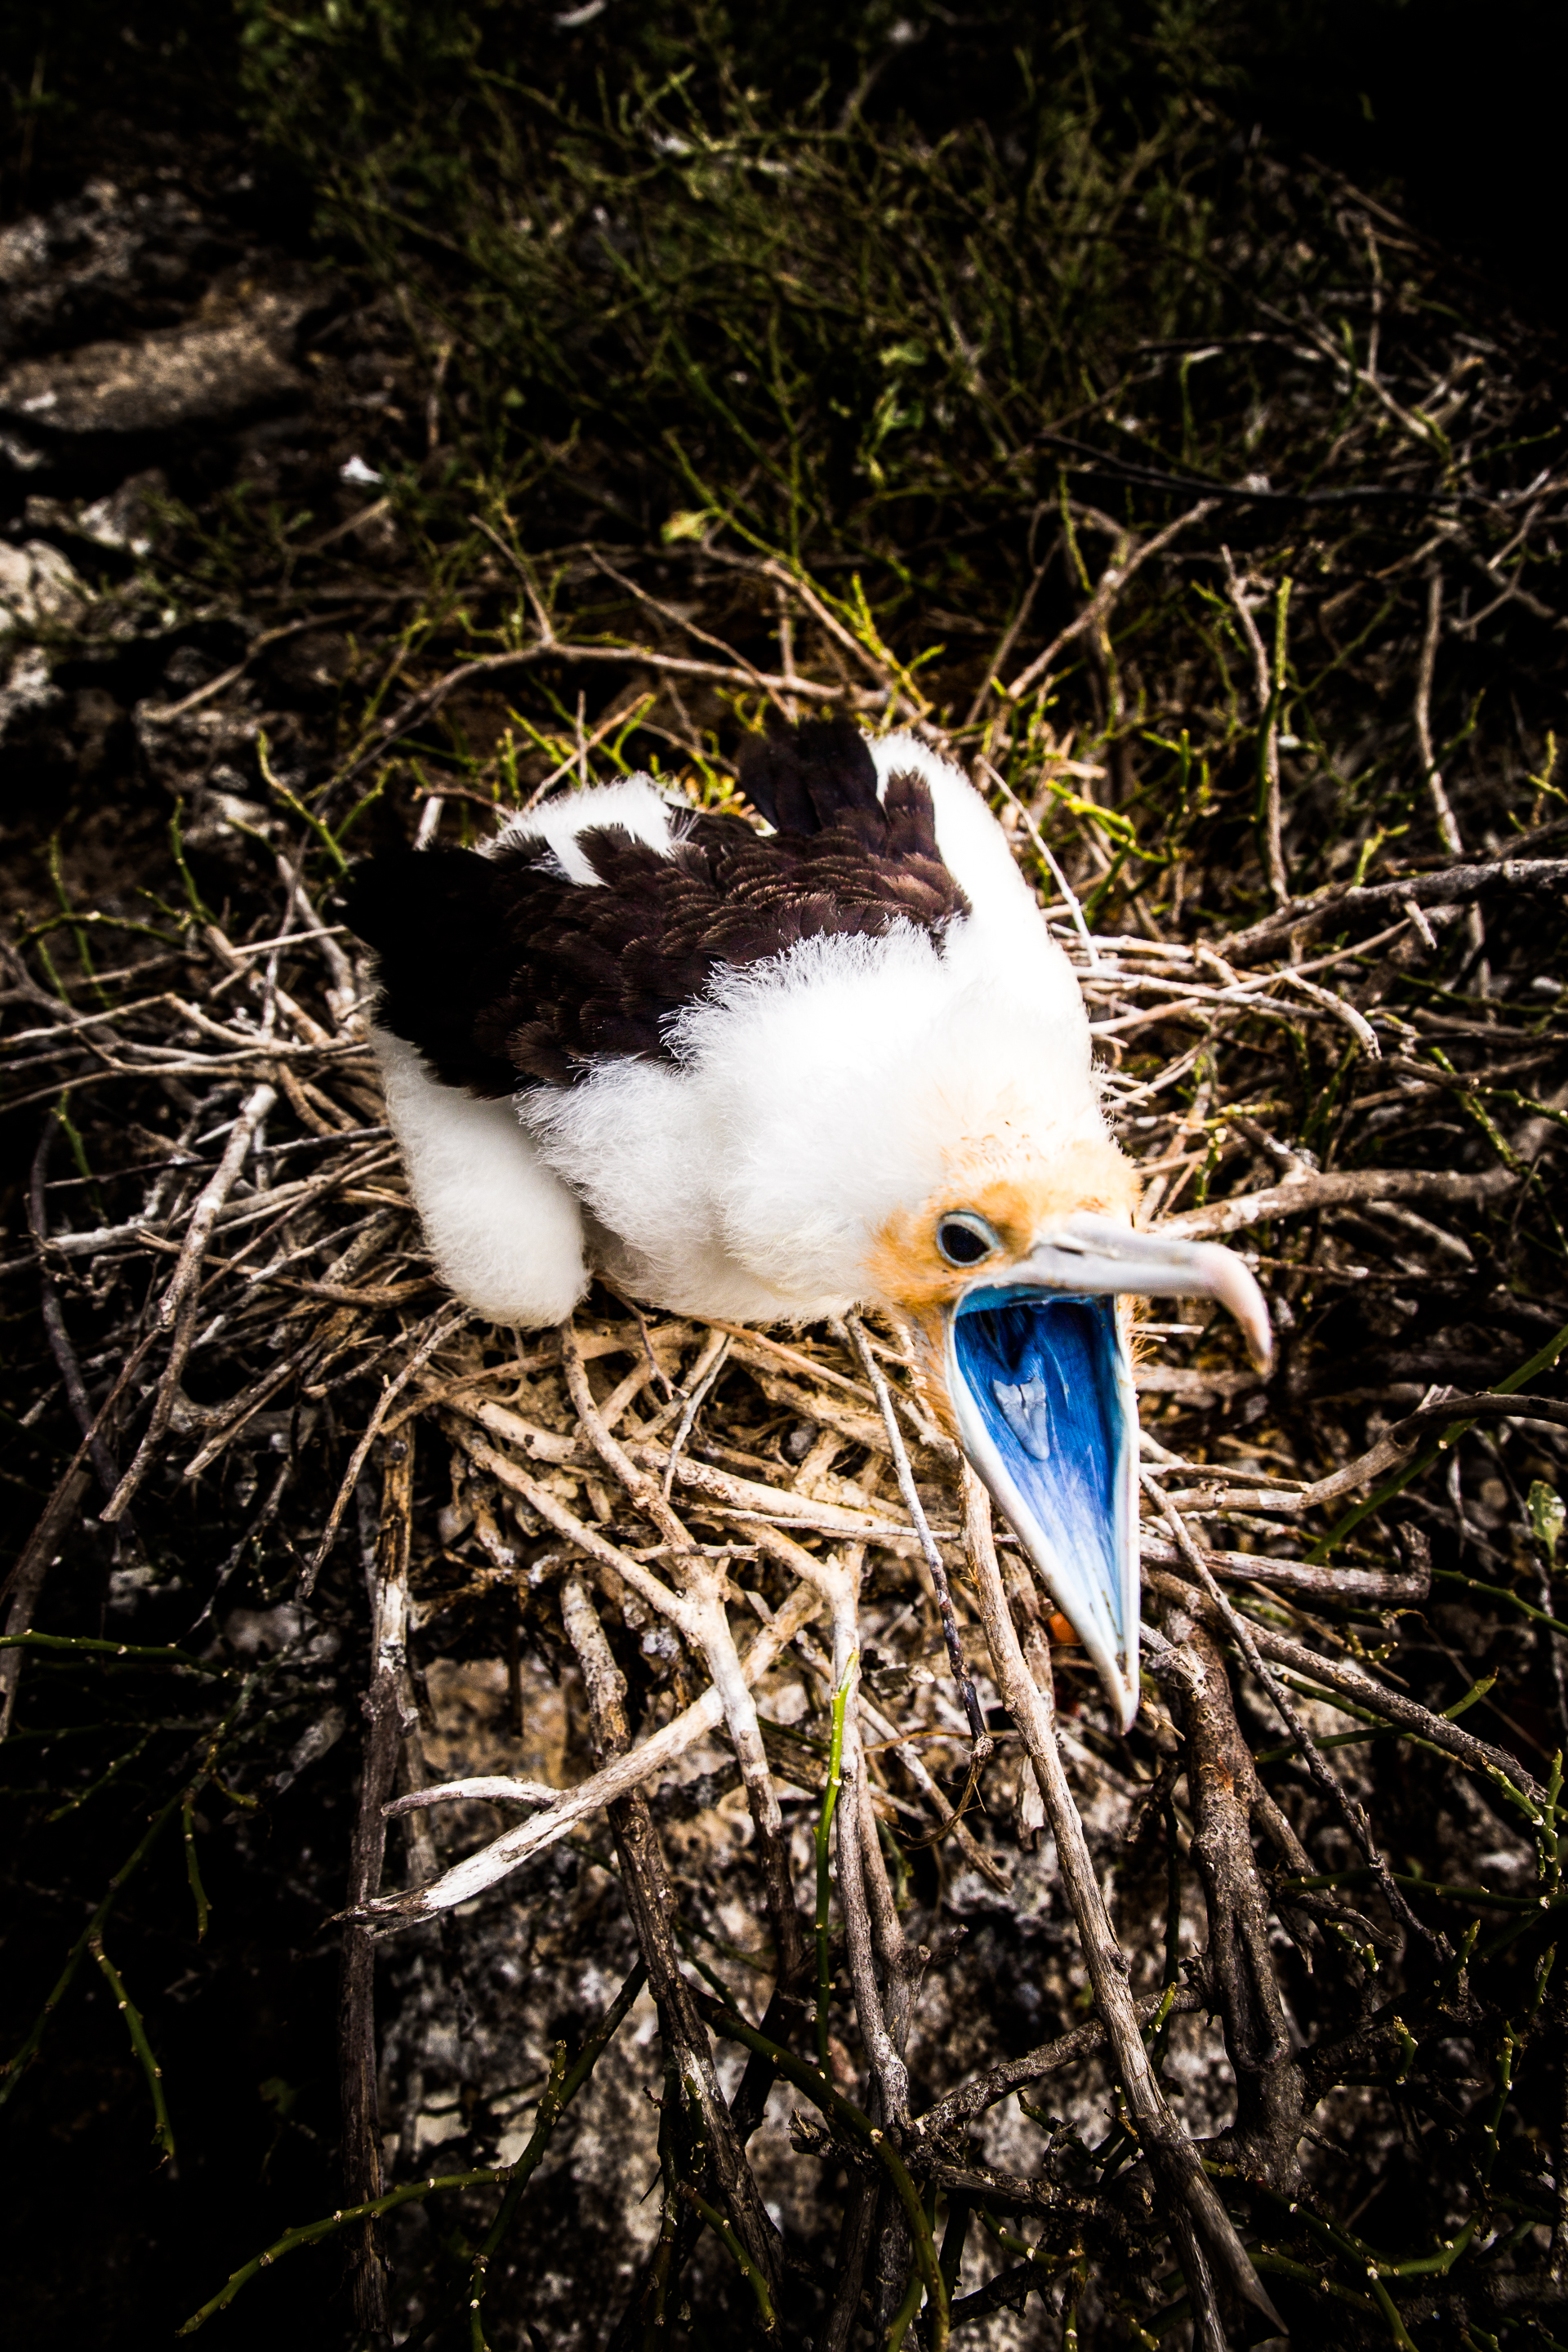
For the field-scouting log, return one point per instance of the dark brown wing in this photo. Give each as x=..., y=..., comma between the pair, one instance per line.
x=504, y=973
x=805, y=777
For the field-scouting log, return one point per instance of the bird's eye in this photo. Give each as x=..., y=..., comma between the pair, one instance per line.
x=965, y=1240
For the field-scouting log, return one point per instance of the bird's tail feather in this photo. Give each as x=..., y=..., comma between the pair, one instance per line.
x=805, y=779
x=440, y=938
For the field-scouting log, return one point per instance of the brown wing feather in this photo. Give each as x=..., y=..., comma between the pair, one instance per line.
x=506, y=975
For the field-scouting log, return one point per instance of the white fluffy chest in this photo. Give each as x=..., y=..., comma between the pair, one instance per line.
x=651, y=1154
x=809, y=1100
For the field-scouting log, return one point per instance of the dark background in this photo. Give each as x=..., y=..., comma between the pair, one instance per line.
x=1451, y=108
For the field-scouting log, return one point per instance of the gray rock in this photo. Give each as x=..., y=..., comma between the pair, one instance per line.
x=126, y=519
x=205, y=373
x=38, y=585
x=103, y=263
x=27, y=688
x=21, y=454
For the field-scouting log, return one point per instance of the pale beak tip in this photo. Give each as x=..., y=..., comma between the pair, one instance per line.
x=1122, y=1685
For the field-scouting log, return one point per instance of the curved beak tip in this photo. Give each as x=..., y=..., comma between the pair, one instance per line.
x=1224, y=1274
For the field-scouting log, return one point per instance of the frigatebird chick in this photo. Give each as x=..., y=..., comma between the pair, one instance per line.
x=772, y=1076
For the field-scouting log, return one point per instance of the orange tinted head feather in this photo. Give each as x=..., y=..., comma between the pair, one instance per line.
x=1019, y=1195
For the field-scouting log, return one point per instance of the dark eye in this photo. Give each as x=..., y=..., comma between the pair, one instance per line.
x=965, y=1240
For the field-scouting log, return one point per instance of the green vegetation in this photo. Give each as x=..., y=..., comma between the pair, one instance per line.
x=878, y=317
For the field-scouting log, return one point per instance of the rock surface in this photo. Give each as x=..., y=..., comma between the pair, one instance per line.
x=106, y=263
x=38, y=585
x=206, y=373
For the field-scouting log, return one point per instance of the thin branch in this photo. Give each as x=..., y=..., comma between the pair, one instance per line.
x=1448, y=827
x=648, y=1761
x=933, y=1558
x=1350, y=1809
x=1128, y=558
x=1204, y=2228
x=362, y=2159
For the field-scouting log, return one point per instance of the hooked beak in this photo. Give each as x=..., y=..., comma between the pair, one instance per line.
x=1040, y=1380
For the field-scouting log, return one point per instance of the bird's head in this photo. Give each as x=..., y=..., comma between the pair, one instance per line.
x=1017, y=1277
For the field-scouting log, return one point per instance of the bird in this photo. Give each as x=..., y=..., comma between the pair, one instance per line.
x=775, y=1073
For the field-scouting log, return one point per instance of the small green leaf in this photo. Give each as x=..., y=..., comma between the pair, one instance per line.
x=1546, y=1518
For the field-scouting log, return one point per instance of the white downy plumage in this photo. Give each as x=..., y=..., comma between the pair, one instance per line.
x=812, y=1096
